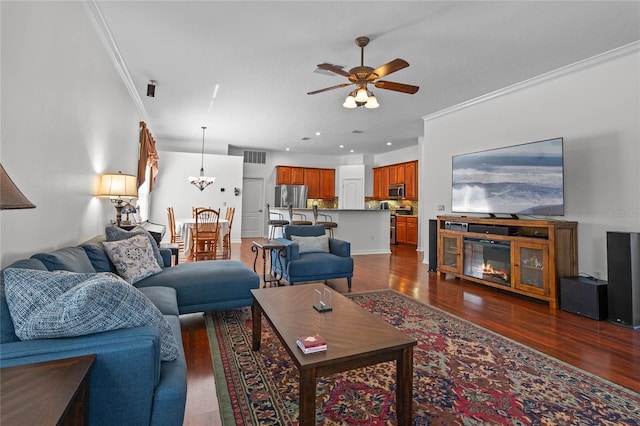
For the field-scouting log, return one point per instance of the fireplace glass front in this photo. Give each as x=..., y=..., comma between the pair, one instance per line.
x=489, y=260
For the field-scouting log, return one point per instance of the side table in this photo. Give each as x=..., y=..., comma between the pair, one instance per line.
x=267, y=247
x=46, y=393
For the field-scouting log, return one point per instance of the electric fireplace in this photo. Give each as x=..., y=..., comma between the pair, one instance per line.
x=488, y=260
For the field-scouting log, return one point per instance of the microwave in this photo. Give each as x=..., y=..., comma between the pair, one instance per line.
x=396, y=191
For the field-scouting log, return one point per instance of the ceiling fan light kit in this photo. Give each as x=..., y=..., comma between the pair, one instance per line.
x=363, y=75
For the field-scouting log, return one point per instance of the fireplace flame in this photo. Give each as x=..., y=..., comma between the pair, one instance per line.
x=487, y=269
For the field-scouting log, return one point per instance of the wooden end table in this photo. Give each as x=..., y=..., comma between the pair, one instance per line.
x=355, y=338
x=46, y=393
x=267, y=247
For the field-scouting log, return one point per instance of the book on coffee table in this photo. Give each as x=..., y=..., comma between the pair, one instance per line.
x=311, y=344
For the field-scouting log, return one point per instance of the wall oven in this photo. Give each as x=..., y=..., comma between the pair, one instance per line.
x=396, y=191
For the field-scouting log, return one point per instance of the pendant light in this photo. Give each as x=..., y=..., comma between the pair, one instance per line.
x=202, y=181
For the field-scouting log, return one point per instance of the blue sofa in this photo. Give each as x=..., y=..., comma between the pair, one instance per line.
x=298, y=267
x=129, y=384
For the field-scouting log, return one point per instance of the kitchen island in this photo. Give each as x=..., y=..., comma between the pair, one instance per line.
x=366, y=229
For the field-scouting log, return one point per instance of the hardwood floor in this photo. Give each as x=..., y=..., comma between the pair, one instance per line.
x=601, y=348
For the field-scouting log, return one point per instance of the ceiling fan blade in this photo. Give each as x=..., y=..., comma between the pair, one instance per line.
x=333, y=68
x=388, y=68
x=329, y=88
x=398, y=87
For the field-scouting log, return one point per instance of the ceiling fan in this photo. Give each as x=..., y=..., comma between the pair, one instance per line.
x=363, y=75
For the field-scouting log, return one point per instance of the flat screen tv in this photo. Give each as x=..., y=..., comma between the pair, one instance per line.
x=526, y=179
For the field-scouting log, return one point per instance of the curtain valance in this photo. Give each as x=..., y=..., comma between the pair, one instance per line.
x=148, y=157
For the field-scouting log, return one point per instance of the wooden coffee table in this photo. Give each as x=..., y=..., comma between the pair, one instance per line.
x=355, y=338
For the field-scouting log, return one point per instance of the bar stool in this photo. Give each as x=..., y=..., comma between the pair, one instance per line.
x=304, y=220
x=328, y=223
x=275, y=223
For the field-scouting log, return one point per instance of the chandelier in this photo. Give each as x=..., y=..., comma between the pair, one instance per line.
x=202, y=181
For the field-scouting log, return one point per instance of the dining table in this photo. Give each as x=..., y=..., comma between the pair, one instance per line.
x=183, y=227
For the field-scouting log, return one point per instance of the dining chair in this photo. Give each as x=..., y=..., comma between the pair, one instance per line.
x=194, y=209
x=328, y=222
x=304, y=220
x=205, y=234
x=275, y=223
x=226, y=238
x=175, y=237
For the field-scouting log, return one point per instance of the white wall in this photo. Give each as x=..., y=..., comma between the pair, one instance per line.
x=595, y=107
x=66, y=118
x=174, y=190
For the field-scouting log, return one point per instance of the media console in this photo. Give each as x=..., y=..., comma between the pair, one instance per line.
x=523, y=256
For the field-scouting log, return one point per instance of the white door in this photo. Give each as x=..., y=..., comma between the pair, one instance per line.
x=253, y=221
x=352, y=194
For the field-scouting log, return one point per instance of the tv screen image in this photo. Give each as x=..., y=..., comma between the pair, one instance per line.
x=523, y=179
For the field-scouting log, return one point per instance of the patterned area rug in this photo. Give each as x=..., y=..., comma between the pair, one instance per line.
x=463, y=374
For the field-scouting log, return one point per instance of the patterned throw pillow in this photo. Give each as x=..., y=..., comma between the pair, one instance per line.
x=312, y=244
x=114, y=233
x=133, y=258
x=54, y=304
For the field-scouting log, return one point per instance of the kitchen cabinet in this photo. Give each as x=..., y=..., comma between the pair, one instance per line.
x=297, y=176
x=410, y=171
x=377, y=184
x=283, y=175
x=401, y=229
x=412, y=231
x=312, y=180
x=327, y=184
x=396, y=174
x=406, y=173
x=407, y=229
x=320, y=182
x=384, y=182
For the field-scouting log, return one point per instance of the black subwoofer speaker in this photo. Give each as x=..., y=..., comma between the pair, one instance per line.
x=433, y=245
x=584, y=296
x=623, y=269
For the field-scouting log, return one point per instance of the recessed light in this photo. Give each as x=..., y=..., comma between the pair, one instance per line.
x=341, y=146
x=389, y=143
x=318, y=133
x=352, y=150
x=287, y=149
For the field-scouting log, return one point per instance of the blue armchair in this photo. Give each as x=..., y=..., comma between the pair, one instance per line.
x=310, y=258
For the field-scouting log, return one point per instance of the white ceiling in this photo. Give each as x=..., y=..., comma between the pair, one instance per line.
x=262, y=54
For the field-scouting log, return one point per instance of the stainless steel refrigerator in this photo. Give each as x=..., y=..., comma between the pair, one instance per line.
x=296, y=195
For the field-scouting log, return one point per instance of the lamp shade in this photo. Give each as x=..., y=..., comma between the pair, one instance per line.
x=10, y=196
x=117, y=185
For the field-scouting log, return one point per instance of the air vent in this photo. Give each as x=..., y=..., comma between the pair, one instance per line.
x=255, y=157
x=306, y=138
x=357, y=131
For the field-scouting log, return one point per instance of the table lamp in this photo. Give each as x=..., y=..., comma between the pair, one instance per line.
x=10, y=196
x=117, y=186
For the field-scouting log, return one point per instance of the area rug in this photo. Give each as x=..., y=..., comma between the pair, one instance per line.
x=463, y=375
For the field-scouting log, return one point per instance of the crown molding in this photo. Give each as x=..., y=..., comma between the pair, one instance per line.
x=102, y=28
x=560, y=72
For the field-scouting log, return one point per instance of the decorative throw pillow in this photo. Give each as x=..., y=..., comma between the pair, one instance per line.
x=312, y=244
x=113, y=233
x=54, y=304
x=133, y=258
